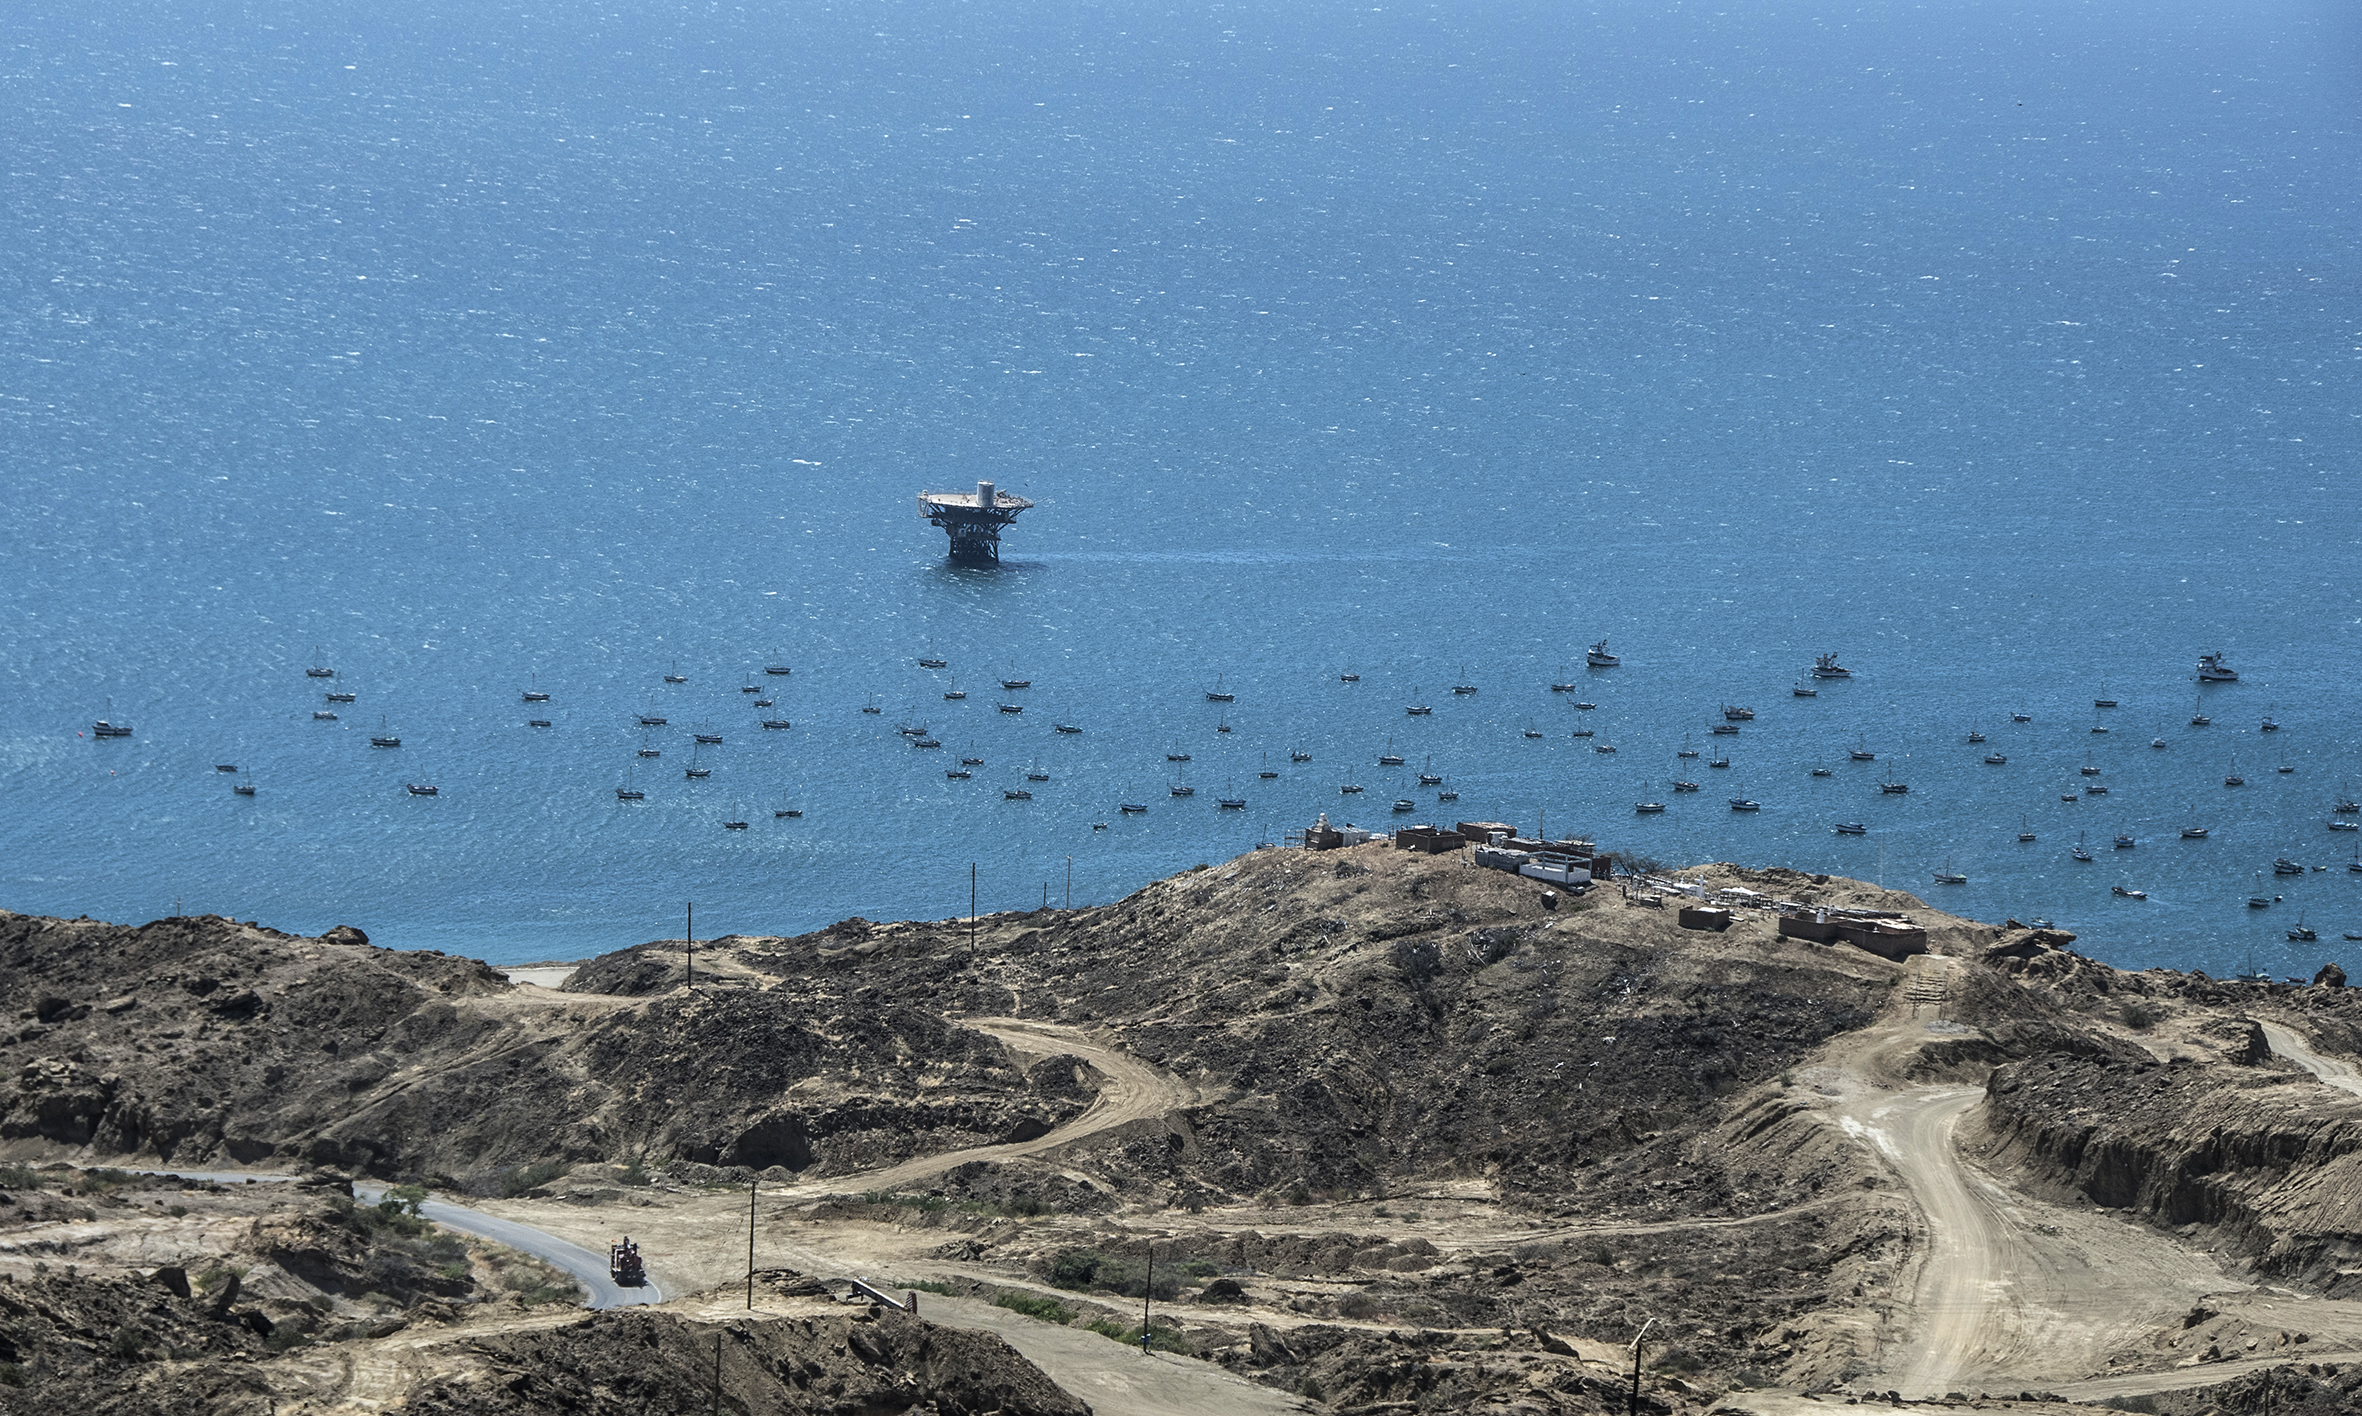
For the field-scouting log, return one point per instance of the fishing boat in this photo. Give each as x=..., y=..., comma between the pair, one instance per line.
x=929, y=662
x=1974, y=735
x=1685, y=786
x=733, y=825
x=1297, y=756
x=1419, y=710
x=628, y=792
x=225, y=766
x=1723, y=761
x=1036, y=774
x=1801, y=691
x=1348, y=676
x=1428, y=778
x=1740, y=803
x=786, y=813
x=1183, y=789
x=709, y=739
x=1949, y=876
x=1647, y=808
x=749, y=685
x=2095, y=789
x=2270, y=724
x=1064, y=728
x=2193, y=833
x=1603, y=747
x=1724, y=729
x=926, y=742
x=1861, y=751
x=1218, y=694
x=872, y=705
x=2069, y=796
x=2157, y=741
x=2021, y=717
x=2125, y=843
x=337, y=697
x=2103, y=701
x=2232, y=778
x=1586, y=732
x=2259, y=900
x=2354, y=866
x=1011, y=707
x=245, y=787
x=384, y=739
x=2079, y=850
x=1891, y=787
x=1585, y=707
x=1463, y=688
x=1851, y=828
x=2346, y=806
x=2282, y=865
x=1825, y=666
x=2025, y=832
x=676, y=676
x=647, y=751
x=1402, y=804
x=955, y=693
x=1015, y=794
x=2096, y=725
x=1231, y=803
x=1264, y=772
x=422, y=789
x=971, y=762
x=1823, y=772
x=2198, y=718
x=103, y=728
x=1686, y=751
x=2089, y=768
x=1447, y=795
x=1223, y=724
x=651, y=718
x=1995, y=759
x=1564, y=687
x=775, y=724
x=1349, y=789
x=2300, y=934
x=1016, y=683
x=958, y=774
x=1732, y=713
x=2212, y=669
x=2126, y=893
x=693, y=772
x=537, y=722
x=2337, y=825
x=1597, y=657
x=1176, y=757
x=763, y=703
x=534, y=694
x=318, y=670
x=318, y=716
x=1131, y=808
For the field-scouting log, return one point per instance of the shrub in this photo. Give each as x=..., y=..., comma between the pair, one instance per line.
x=2139, y=1016
x=1358, y=1306
x=931, y=1285
x=634, y=1173
x=1048, y=1310
x=11, y=1375
x=1160, y=1337
x=127, y=1345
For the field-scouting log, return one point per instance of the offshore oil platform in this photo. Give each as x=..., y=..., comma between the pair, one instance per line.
x=973, y=520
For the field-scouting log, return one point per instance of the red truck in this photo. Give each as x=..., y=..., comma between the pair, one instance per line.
x=623, y=1264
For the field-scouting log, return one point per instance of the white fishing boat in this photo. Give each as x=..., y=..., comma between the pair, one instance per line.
x=1597, y=657
x=2212, y=669
x=1826, y=666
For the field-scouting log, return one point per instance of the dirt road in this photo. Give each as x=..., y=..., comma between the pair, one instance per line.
x=588, y=1266
x=1131, y=1090
x=2331, y=1071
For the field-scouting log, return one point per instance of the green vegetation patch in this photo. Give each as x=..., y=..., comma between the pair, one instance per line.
x=1048, y=1310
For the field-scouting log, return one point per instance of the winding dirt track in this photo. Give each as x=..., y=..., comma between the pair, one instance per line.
x=2330, y=1071
x=1132, y=1091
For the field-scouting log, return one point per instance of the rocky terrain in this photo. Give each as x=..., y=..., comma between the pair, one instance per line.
x=1373, y=1129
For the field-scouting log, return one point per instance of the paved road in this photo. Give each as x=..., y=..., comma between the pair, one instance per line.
x=585, y=1265
x=2331, y=1071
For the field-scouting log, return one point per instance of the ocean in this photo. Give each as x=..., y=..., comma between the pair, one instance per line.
x=2006, y=351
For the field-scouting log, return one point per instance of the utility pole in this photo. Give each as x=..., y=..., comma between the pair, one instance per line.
x=689, y=937
x=750, y=1242
x=971, y=904
x=717, y=1407
x=1070, y=882
x=1147, y=1287
x=1632, y=1403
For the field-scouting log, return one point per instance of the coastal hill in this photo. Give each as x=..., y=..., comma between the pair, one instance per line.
x=1402, y=1133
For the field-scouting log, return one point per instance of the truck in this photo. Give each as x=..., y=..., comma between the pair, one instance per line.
x=623, y=1264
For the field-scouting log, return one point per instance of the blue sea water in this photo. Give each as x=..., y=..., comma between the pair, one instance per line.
x=2007, y=350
